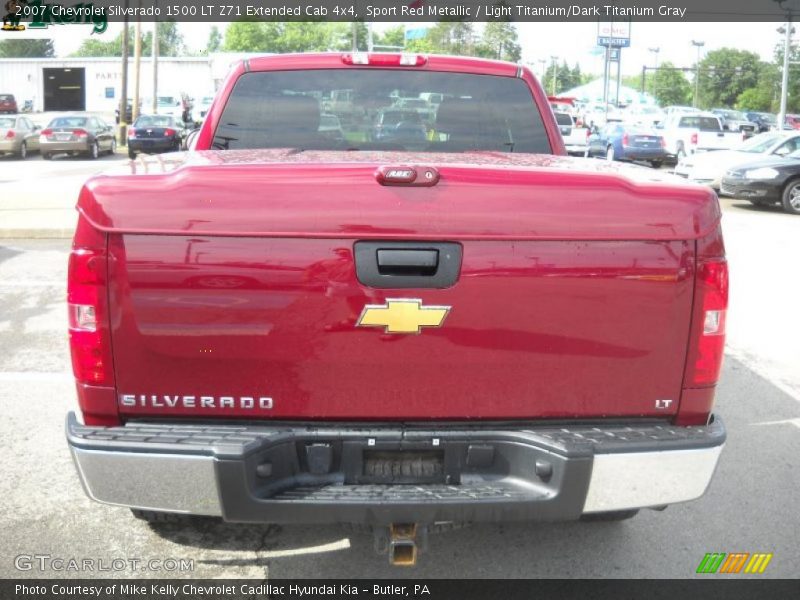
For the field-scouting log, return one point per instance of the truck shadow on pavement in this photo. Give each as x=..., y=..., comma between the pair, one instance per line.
x=338, y=551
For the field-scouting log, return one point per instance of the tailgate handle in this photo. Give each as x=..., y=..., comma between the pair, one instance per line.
x=397, y=261
x=411, y=264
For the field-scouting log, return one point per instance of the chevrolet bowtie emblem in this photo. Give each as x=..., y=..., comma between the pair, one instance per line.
x=402, y=315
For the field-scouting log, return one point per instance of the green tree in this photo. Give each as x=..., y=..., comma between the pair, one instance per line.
x=26, y=49
x=291, y=36
x=214, y=40
x=248, y=36
x=754, y=99
x=170, y=43
x=670, y=86
x=726, y=73
x=170, y=40
x=565, y=78
x=395, y=36
x=501, y=40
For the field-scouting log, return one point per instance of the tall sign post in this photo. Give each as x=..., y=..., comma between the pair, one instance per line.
x=613, y=36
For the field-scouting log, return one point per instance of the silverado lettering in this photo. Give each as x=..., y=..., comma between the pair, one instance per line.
x=200, y=401
x=461, y=322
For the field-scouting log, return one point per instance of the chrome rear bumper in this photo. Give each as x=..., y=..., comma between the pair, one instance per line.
x=491, y=473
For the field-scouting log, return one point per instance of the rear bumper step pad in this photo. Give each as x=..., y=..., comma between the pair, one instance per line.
x=307, y=473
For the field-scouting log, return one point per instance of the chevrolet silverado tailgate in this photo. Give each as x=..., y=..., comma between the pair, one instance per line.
x=234, y=289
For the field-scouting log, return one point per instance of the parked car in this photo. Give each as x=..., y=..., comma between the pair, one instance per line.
x=670, y=111
x=77, y=134
x=18, y=136
x=708, y=168
x=643, y=114
x=8, y=104
x=330, y=127
x=774, y=180
x=735, y=120
x=155, y=133
x=764, y=121
x=620, y=141
x=176, y=106
x=574, y=137
x=690, y=133
x=599, y=114
x=426, y=110
x=792, y=121
x=396, y=124
x=204, y=105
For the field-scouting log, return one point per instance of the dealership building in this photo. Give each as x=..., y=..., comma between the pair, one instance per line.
x=95, y=83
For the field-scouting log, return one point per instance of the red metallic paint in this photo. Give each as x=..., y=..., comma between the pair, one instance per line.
x=231, y=274
x=479, y=196
x=537, y=329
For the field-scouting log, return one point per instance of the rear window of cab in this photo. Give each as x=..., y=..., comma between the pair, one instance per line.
x=284, y=109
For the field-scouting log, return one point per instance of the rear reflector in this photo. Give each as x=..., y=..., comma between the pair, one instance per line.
x=708, y=336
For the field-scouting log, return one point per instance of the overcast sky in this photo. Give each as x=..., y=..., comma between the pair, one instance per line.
x=572, y=41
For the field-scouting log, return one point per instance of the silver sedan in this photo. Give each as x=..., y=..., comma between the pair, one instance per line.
x=18, y=136
x=77, y=134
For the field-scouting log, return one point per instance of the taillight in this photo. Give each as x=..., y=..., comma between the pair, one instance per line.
x=708, y=335
x=169, y=132
x=625, y=139
x=131, y=133
x=46, y=132
x=663, y=142
x=588, y=133
x=80, y=132
x=87, y=301
x=10, y=135
x=693, y=139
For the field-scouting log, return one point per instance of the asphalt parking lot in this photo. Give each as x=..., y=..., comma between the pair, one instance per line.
x=750, y=507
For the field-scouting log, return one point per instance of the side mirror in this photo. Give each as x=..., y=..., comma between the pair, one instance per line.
x=191, y=139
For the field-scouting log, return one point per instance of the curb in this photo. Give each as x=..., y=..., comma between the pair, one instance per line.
x=64, y=233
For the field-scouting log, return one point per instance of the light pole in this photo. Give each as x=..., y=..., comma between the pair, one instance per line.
x=543, y=62
x=787, y=49
x=555, y=73
x=655, y=51
x=697, y=44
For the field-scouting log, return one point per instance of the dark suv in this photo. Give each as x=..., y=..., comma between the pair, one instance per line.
x=8, y=104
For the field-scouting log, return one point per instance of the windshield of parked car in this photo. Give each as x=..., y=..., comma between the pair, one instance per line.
x=734, y=115
x=771, y=119
x=563, y=119
x=760, y=143
x=167, y=101
x=69, y=122
x=282, y=109
x=154, y=121
x=6, y=123
x=6, y=97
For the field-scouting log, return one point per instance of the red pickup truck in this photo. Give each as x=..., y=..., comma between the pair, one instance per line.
x=457, y=325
